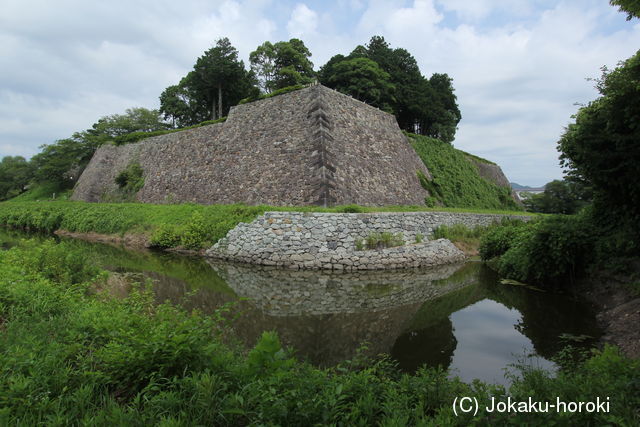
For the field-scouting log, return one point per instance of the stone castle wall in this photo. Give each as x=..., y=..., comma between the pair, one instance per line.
x=303, y=240
x=311, y=146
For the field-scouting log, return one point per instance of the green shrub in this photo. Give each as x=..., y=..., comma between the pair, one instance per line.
x=268, y=356
x=430, y=202
x=458, y=232
x=195, y=234
x=59, y=262
x=166, y=236
x=276, y=92
x=499, y=239
x=131, y=179
x=133, y=137
x=550, y=253
x=350, y=209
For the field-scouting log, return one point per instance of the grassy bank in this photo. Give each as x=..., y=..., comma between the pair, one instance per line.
x=73, y=357
x=187, y=225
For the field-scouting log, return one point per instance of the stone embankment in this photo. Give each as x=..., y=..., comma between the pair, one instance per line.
x=302, y=240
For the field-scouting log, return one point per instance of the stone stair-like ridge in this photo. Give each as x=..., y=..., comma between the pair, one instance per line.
x=321, y=156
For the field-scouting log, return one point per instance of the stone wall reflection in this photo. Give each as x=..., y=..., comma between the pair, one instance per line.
x=283, y=292
x=324, y=316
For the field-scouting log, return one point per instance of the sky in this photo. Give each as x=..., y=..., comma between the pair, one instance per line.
x=520, y=68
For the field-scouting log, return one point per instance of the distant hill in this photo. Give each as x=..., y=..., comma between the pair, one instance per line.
x=519, y=187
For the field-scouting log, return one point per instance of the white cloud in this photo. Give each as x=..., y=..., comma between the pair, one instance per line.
x=303, y=21
x=477, y=10
x=422, y=16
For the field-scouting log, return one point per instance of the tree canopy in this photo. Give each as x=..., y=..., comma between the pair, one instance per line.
x=15, y=174
x=218, y=81
x=282, y=64
x=424, y=106
x=602, y=146
x=560, y=197
x=631, y=7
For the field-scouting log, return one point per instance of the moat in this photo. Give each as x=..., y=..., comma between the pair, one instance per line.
x=457, y=316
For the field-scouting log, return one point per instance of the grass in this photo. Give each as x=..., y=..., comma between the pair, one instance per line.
x=73, y=357
x=456, y=180
x=188, y=225
x=43, y=192
x=380, y=241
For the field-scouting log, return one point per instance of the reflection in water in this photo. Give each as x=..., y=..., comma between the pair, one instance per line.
x=488, y=342
x=483, y=328
x=454, y=316
x=326, y=315
x=283, y=292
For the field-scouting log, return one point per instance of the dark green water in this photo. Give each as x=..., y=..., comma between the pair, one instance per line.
x=456, y=316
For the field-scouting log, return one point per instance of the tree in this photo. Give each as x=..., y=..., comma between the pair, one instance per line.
x=559, y=197
x=15, y=174
x=263, y=64
x=631, y=7
x=602, y=146
x=62, y=162
x=180, y=104
x=135, y=119
x=292, y=64
x=364, y=80
x=441, y=118
x=218, y=81
x=421, y=105
x=217, y=76
x=282, y=64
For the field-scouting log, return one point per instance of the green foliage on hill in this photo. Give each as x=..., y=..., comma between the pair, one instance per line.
x=455, y=179
x=71, y=357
